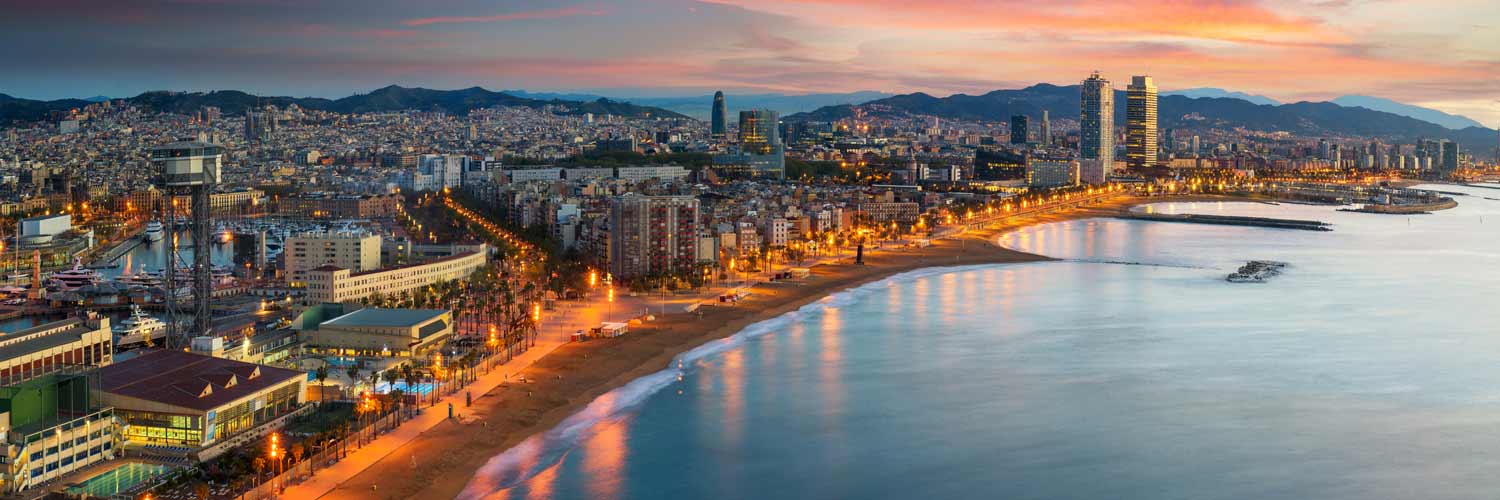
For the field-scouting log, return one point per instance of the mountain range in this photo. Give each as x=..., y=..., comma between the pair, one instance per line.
x=1174, y=111
x=1418, y=112
x=700, y=106
x=390, y=98
x=1213, y=92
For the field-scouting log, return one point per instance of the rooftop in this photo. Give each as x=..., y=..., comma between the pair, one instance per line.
x=17, y=344
x=189, y=380
x=386, y=317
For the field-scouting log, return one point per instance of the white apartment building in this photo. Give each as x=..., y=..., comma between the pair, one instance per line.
x=333, y=284
x=355, y=251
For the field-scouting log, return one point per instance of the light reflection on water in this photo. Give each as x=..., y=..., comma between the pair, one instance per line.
x=1366, y=371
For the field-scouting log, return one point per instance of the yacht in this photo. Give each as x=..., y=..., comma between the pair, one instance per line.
x=75, y=278
x=139, y=328
x=154, y=231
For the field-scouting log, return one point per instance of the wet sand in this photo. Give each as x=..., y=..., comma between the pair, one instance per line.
x=567, y=379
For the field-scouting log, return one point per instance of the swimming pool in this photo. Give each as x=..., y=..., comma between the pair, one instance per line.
x=421, y=388
x=118, y=480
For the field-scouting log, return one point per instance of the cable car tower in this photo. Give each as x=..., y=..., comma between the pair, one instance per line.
x=192, y=169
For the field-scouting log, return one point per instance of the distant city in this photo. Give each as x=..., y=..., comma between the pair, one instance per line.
x=221, y=294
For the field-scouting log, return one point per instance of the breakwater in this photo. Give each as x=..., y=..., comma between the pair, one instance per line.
x=1228, y=220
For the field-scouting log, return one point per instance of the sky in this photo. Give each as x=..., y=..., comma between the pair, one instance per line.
x=1441, y=54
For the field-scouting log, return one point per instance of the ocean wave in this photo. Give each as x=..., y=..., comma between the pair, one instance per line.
x=540, y=452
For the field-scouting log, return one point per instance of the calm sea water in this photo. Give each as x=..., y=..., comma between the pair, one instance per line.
x=151, y=256
x=1131, y=369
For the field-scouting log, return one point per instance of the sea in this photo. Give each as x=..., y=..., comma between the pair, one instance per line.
x=1128, y=368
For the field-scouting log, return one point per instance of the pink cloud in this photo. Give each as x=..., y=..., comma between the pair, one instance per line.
x=512, y=16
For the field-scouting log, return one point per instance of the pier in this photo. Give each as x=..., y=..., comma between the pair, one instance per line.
x=119, y=250
x=1229, y=220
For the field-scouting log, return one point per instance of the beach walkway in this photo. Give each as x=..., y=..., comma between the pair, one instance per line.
x=555, y=332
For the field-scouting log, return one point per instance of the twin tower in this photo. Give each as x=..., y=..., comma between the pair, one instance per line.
x=1096, y=124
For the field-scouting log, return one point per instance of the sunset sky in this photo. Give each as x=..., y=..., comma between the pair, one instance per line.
x=1444, y=55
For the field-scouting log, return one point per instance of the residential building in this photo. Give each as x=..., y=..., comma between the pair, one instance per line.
x=653, y=235
x=336, y=284
x=1096, y=123
x=355, y=251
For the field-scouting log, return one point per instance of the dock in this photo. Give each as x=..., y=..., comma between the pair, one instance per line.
x=1229, y=220
x=119, y=250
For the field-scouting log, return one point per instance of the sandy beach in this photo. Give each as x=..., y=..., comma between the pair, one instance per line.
x=559, y=384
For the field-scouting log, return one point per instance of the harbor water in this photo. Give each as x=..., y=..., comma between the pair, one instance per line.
x=1127, y=369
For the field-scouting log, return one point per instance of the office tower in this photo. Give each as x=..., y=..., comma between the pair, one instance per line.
x=718, y=127
x=1450, y=156
x=1096, y=134
x=1195, y=146
x=1046, y=129
x=758, y=132
x=1140, y=122
x=653, y=235
x=1018, y=128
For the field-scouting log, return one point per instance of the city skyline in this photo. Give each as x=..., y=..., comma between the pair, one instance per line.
x=1284, y=49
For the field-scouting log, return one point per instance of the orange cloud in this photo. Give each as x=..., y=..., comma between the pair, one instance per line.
x=1225, y=20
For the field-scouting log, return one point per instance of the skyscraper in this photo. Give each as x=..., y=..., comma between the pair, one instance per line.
x=1140, y=122
x=1096, y=129
x=1018, y=128
x=1450, y=156
x=718, y=127
x=1046, y=129
x=758, y=132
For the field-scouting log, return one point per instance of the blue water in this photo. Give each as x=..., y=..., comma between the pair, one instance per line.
x=1130, y=369
x=118, y=480
x=152, y=255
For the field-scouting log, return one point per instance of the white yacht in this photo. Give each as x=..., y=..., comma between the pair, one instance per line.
x=139, y=328
x=75, y=278
x=154, y=231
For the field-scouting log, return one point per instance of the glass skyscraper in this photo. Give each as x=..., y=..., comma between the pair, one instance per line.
x=719, y=126
x=1140, y=122
x=1096, y=134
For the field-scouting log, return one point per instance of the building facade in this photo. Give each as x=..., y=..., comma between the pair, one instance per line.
x=1096, y=123
x=55, y=346
x=355, y=251
x=1140, y=122
x=337, y=284
x=653, y=235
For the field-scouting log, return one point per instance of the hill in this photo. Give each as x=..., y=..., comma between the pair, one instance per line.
x=392, y=98
x=1175, y=111
x=700, y=106
x=1418, y=112
x=1213, y=92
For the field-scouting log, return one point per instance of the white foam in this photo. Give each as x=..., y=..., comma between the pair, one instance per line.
x=543, y=451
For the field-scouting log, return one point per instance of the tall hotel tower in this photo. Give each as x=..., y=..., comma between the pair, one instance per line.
x=1140, y=122
x=1096, y=135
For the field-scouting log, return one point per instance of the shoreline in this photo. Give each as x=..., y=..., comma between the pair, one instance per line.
x=442, y=461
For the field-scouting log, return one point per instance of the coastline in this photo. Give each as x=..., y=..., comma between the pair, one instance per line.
x=441, y=462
